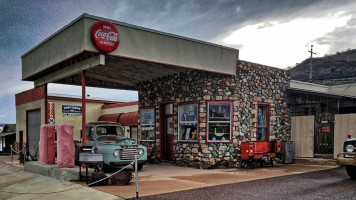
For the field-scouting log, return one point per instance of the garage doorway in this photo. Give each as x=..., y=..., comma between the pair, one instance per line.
x=33, y=120
x=166, y=132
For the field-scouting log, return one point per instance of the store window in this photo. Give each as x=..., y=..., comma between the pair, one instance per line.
x=263, y=117
x=147, y=124
x=219, y=121
x=133, y=132
x=188, y=122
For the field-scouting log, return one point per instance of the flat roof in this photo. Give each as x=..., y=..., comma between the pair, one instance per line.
x=143, y=54
x=312, y=88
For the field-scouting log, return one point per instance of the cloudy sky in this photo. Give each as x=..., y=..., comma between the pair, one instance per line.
x=271, y=32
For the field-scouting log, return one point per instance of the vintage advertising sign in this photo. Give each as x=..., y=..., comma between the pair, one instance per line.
x=68, y=110
x=105, y=36
x=51, y=112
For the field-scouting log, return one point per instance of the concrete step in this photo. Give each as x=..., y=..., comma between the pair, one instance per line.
x=53, y=171
x=315, y=161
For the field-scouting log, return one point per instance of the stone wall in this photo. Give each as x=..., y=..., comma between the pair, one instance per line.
x=252, y=84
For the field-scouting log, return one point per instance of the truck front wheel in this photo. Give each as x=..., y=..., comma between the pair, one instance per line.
x=351, y=171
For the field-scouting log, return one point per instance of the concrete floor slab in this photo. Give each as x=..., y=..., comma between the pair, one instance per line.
x=164, y=178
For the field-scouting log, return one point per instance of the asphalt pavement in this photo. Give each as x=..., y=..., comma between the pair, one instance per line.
x=326, y=184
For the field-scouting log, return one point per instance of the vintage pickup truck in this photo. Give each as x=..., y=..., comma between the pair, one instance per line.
x=348, y=157
x=108, y=139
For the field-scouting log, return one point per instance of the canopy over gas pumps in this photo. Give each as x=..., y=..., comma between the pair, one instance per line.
x=142, y=54
x=98, y=52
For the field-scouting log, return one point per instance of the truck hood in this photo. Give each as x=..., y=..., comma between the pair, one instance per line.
x=116, y=140
x=351, y=139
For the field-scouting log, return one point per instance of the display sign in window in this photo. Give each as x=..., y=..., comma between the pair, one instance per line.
x=188, y=122
x=219, y=122
x=147, y=124
x=263, y=117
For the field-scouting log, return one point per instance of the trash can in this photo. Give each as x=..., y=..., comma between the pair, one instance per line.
x=287, y=151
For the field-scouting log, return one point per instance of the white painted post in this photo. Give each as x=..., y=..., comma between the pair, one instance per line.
x=136, y=176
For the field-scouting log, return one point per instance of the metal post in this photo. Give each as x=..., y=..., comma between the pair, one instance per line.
x=12, y=159
x=46, y=103
x=83, y=110
x=136, y=176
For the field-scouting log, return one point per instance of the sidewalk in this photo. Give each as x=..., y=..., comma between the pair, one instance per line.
x=15, y=183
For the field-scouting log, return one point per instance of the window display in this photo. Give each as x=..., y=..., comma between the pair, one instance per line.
x=219, y=122
x=262, y=122
x=147, y=124
x=188, y=122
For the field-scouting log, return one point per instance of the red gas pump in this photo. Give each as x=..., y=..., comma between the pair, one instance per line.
x=259, y=153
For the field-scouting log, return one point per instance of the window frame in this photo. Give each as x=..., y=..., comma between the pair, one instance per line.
x=154, y=125
x=197, y=122
x=207, y=121
x=268, y=116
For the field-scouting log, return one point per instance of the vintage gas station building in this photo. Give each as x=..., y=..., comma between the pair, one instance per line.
x=197, y=100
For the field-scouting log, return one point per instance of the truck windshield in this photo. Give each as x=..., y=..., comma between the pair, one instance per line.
x=109, y=130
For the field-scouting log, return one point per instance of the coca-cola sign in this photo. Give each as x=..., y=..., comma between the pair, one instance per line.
x=105, y=36
x=51, y=112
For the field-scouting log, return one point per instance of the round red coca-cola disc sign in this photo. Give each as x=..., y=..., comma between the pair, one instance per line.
x=105, y=36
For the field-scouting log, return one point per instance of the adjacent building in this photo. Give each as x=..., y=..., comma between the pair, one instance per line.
x=34, y=108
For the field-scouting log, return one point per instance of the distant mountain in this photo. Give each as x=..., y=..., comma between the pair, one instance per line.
x=339, y=68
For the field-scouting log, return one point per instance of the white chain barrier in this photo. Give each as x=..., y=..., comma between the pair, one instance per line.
x=136, y=174
x=17, y=152
x=111, y=174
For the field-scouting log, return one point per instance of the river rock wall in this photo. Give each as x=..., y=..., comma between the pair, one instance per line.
x=252, y=84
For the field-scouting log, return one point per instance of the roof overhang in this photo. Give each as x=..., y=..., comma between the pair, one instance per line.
x=315, y=89
x=3, y=134
x=143, y=54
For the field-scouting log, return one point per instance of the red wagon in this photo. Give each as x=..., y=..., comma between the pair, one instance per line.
x=259, y=153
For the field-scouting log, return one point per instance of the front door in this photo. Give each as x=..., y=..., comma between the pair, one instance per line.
x=167, y=130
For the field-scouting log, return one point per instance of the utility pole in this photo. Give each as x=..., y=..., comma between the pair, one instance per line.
x=311, y=64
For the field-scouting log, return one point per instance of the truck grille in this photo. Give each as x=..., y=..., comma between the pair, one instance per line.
x=128, y=154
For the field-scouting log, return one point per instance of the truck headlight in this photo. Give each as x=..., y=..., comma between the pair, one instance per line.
x=116, y=153
x=350, y=148
x=140, y=152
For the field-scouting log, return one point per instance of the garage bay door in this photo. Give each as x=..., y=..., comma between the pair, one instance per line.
x=33, y=128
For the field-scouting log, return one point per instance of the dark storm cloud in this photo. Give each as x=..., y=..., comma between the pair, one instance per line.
x=199, y=19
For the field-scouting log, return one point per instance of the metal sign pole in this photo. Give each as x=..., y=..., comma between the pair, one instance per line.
x=136, y=176
x=12, y=160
